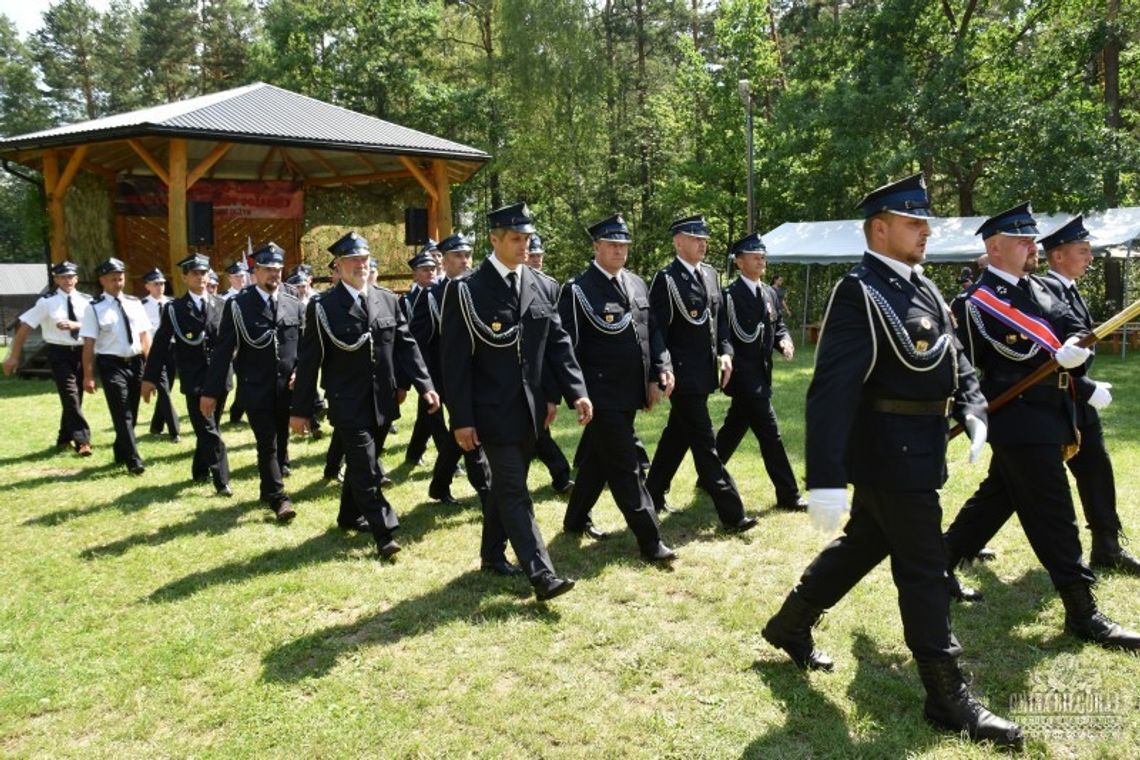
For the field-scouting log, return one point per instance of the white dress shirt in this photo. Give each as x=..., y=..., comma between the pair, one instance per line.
x=103, y=323
x=49, y=310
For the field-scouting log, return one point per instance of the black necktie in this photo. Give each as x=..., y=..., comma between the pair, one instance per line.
x=202, y=305
x=360, y=299
x=126, y=322
x=273, y=307
x=71, y=315
x=512, y=282
x=617, y=286
x=1023, y=283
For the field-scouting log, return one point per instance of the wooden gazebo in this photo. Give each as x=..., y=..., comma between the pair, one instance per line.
x=255, y=147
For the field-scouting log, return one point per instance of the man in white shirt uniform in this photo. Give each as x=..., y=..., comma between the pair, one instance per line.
x=116, y=339
x=164, y=417
x=58, y=315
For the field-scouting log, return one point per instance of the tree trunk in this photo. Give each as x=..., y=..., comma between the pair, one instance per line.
x=1112, y=116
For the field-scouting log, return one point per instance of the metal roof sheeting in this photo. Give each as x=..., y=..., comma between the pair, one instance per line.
x=257, y=112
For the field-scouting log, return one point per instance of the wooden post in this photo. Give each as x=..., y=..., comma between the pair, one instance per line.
x=55, y=207
x=443, y=194
x=433, y=218
x=176, y=209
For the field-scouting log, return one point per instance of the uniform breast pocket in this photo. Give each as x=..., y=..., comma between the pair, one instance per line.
x=539, y=311
x=641, y=304
x=107, y=319
x=385, y=328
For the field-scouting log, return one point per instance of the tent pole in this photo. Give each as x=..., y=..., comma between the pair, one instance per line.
x=1124, y=328
x=803, y=324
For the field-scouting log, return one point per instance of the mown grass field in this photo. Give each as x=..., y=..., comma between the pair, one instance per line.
x=149, y=618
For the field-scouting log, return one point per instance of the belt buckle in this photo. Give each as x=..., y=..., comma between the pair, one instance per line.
x=1063, y=380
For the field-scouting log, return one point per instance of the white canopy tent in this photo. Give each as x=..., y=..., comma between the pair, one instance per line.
x=1113, y=233
x=951, y=239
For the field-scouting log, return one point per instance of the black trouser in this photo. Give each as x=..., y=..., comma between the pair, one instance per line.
x=67, y=370
x=509, y=513
x=907, y=527
x=447, y=457
x=1096, y=483
x=428, y=426
x=361, y=494
x=547, y=451
x=209, y=450
x=756, y=413
x=689, y=427
x=164, y=415
x=271, y=429
x=1029, y=480
x=334, y=458
x=611, y=457
x=122, y=383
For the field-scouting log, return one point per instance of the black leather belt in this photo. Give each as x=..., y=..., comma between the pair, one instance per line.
x=939, y=408
x=1058, y=380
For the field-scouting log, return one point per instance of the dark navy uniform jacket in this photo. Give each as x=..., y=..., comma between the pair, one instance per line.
x=359, y=384
x=751, y=359
x=882, y=339
x=494, y=363
x=264, y=368
x=617, y=364
x=1045, y=412
x=693, y=347
x=193, y=341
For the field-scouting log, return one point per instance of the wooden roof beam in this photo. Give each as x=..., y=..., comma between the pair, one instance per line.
x=149, y=159
x=324, y=162
x=293, y=167
x=265, y=162
x=421, y=177
x=70, y=171
x=207, y=163
x=358, y=179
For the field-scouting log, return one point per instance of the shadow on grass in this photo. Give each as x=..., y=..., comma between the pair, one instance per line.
x=327, y=546
x=815, y=727
x=134, y=501
x=210, y=522
x=473, y=596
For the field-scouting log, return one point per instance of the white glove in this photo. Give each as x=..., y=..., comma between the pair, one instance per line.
x=977, y=431
x=1071, y=355
x=1100, y=398
x=827, y=507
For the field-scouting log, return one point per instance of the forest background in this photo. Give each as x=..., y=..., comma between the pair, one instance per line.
x=595, y=106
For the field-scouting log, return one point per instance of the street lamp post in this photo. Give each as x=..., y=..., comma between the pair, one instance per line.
x=746, y=96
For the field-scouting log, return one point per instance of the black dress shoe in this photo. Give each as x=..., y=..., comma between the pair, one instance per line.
x=746, y=523
x=284, y=511
x=388, y=549
x=337, y=475
x=663, y=507
x=563, y=488
x=797, y=504
x=360, y=524
x=317, y=434
x=286, y=471
x=176, y=438
x=137, y=469
x=986, y=554
x=203, y=478
x=418, y=462
x=443, y=497
x=660, y=553
x=551, y=586
x=502, y=567
x=225, y=490
x=962, y=593
x=385, y=481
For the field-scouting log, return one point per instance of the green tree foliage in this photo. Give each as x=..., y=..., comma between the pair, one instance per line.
x=590, y=107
